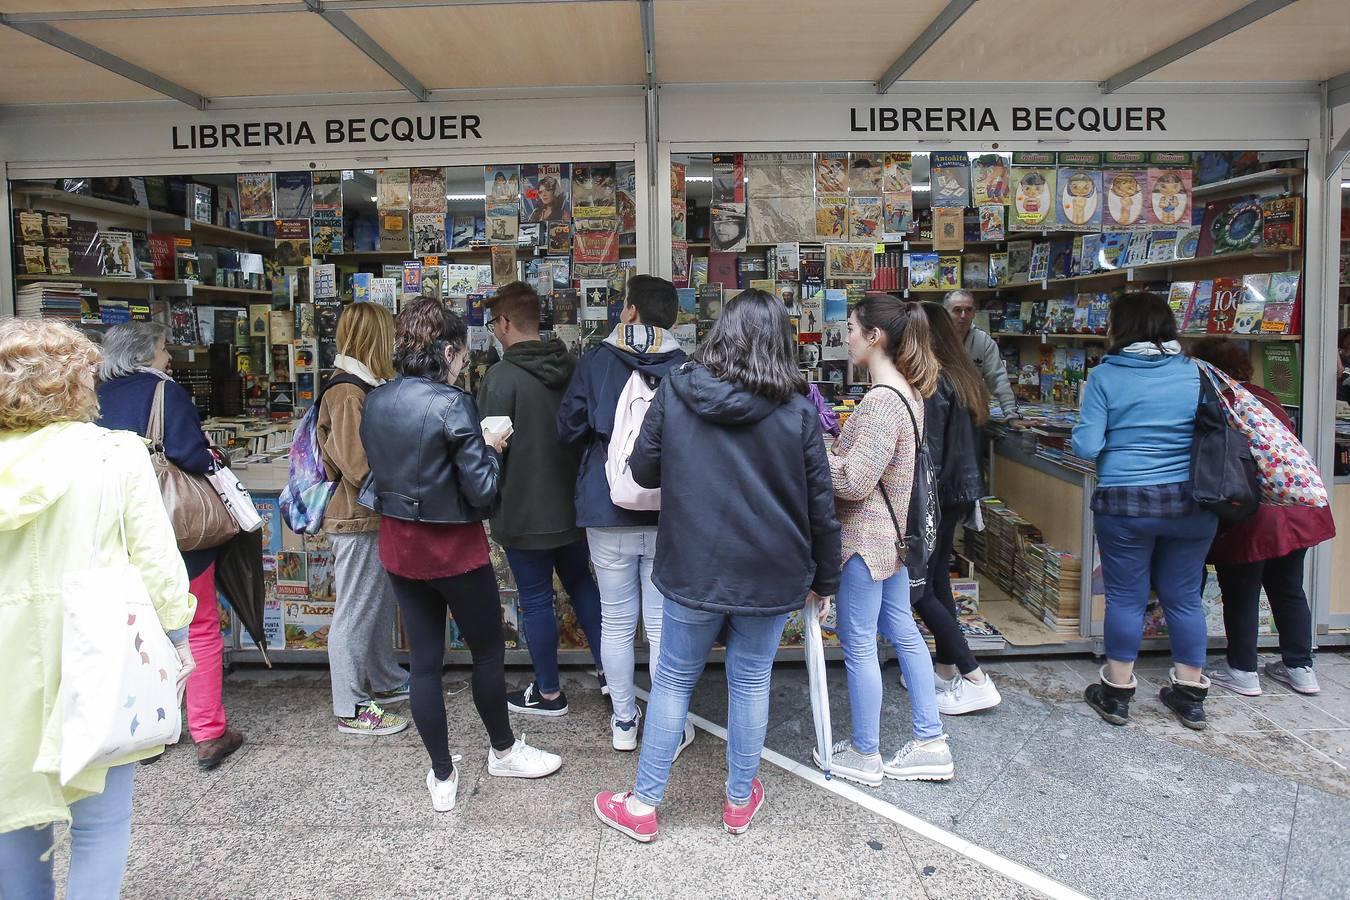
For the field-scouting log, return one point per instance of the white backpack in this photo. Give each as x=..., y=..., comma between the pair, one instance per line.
x=624, y=492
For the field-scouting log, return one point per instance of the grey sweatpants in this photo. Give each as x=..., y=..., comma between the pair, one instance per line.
x=361, y=638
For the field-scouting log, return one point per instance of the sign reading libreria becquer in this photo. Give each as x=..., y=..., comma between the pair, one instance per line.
x=978, y=119
x=328, y=133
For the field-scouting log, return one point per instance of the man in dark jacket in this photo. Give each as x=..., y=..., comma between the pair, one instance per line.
x=622, y=541
x=536, y=523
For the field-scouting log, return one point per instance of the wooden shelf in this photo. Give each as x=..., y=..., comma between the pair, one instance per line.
x=208, y=230
x=1264, y=338
x=215, y=289
x=1055, y=337
x=1121, y=271
x=100, y=279
x=1242, y=181
x=172, y=222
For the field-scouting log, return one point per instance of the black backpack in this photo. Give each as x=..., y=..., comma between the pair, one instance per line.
x=921, y=520
x=1223, y=474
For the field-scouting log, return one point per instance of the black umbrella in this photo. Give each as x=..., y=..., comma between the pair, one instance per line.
x=239, y=580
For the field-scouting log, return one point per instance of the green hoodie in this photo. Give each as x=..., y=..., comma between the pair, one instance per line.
x=51, y=482
x=539, y=475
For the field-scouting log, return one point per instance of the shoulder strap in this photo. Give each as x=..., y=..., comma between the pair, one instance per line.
x=344, y=378
x=154, y=427
x=918, y=442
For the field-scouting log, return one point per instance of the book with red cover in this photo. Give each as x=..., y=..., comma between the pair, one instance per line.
x=162, y=256
x=1223, y=308
x=723, y=268
x=1282, y=222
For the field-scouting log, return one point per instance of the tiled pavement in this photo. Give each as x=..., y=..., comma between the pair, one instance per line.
x=1259, y=806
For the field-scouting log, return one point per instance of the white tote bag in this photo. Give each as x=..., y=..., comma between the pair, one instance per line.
x=236, y=498
x=119, y=670
x=816, y=684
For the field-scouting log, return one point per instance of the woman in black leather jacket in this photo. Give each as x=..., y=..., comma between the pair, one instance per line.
x=433, y=480
x=952, y=416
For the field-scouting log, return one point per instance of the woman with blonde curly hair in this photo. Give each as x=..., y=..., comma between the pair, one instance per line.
x=69, y=490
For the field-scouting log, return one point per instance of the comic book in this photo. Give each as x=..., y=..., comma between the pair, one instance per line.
x=1080, y=199
x=1280, y=303
x=998, y=269
x=503, y=265
x=1124, y=190
x=832, y=175
x=990, y=181
x=546, y=193
x=1251, y=304
x=326, y=189
x=426, y=190
x=257, y=197
x=949, y=272
x=897, y=173
x=898, y=212
x=923, y=272
x=295, y=196
x=1019, y=261
x=392, y=189
x=1038, y=269
x=864, y=218
x=992, y=222
x=948, y=228
x=949, y=179
x=462, y=280
x=1197, y=313
x=503, y=226
x=975, y=271
x=327, y=235
x=1179, y=298
x=428, y=232
x=831, y=218
x=594, y=193
x=850, y=261
x=1162, y=246
x=1169, y=192
x=865, y=173
x=1034, y=199
x=595, y=241
x=1282, y=222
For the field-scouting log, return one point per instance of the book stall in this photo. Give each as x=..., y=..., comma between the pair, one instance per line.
x=1044, y=224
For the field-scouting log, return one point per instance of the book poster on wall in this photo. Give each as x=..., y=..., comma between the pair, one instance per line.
x=501, y=185
x=1124, y=192
x=990, y=180
x=897, y=173
x=850, y=261
x=593, y=191
x=295, y=197
x=949, y=179
x=428, y=233
x=392, y=189
x=729, y=230
x=327, y=190
x=831, y=174
x=728, y=178
x=596, y=241
x=546, y=193
x=1033, y=198
x=327, y=237
x=678, y=228
x=503, y=265
x=831, y=218
x=864, y=218
x=1080, y=199
x=1169, y=197
x=865, y=173
x=257, y=198
x=292, y=242
x=426, y=190
x=625, y=190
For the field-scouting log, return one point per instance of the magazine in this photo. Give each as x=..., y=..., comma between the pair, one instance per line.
x=426, y=191
x=257, y=199
x=593, y=191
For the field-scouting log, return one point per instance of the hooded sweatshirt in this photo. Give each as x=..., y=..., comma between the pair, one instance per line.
x=586, y=416
x=52, y=481
x=1137, y=419
x=538, y=473
x=747, y=505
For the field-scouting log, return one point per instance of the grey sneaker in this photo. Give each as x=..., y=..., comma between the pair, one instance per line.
x=1300, y=678
x=929, y=760
x=1239, y=682
x=851, y=765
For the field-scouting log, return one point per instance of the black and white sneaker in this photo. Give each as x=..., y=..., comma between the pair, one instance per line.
x=531, y=703
x=604, y=685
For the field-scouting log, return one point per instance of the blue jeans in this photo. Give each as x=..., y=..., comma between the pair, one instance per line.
x=534, y=580
x=1139, y=552
x=864, y=608
x=687, y=635
x=100, y=834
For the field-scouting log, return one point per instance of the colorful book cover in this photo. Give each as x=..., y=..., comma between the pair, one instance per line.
x=865, y=173
x=948, y=228
x=503, y=226
x=412, y=278
x=898, y=210
x=923, y=272
x=1039, y=267
x=998, y=269
x=426, y=190
x=559, y=238
x=596, y=241
x=832, y=176
x=831, y=218
x=1019, y=261
x=1034, y=201
x=546, y=193
x=975, y=271
x=1281, y=373
x=1280, y=303
x=1282, y=221
x=1124, y=189
x=327, y=235
x=1169, y=192
x=295, y=195
x=257, y=197
x=864, y=218
x=1179, y=298
x=949, y=273
x=292, y=242
x=949, y=179
x=428, y=233
x=625, y=195
x=1080, y=206
x=990, y=181
x=1224, y=304
x=1114, y=251
x=1197, y=315
x=1230, y=224
x=1162, y=246
x=898, y=173
x=326, y=189
x=1137, y=253
x=393, y=189
x=594, y=193
x=850, y=261
x=1188, y=241
x=992, y=227
x=1252, y=304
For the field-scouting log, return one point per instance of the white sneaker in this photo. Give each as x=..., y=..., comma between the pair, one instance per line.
x=443, y=792
x=686, y=740
x=625, y=736
x=850, y=765
x=961, y=695
x=1239, y=682
x=922, y=761
x=1300, y=678
x=523, y=761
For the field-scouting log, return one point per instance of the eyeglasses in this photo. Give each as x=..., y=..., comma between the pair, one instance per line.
x=492, y=322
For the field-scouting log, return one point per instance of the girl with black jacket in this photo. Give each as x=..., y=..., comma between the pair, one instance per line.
x=954, y=413
x=433, y=480
x=735, y=446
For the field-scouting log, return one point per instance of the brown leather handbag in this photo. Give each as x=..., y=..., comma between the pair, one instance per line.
x=200, y=520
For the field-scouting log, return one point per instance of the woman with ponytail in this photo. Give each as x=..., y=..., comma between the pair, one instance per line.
x=872, y=465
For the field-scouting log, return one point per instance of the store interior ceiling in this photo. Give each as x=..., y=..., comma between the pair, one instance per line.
x=222, y=52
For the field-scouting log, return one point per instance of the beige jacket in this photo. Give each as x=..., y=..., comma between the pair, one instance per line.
x=875, y=448
x=339, y=430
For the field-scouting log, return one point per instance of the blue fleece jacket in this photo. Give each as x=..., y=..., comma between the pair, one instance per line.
x=1138, y=419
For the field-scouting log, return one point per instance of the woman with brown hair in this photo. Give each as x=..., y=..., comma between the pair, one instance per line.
x=433, y=480
x=872, y=465
x=952, y=416
x=364, y=674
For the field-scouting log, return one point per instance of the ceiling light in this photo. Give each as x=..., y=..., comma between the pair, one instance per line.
x=466, y=196
x=374, y=199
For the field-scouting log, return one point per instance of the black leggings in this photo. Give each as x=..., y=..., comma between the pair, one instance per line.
x=1283, y=580
x=472, y=599
x=935, y=605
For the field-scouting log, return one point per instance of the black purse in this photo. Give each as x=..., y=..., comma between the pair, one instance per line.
x=1223, y=474
x=914, y=545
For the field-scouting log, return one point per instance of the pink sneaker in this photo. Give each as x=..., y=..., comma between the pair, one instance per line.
x=736, y=819
x=612, y=810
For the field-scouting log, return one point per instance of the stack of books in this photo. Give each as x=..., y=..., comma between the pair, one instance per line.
x=59, y=300
x=1061, y=591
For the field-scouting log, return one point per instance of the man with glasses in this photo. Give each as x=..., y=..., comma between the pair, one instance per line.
x=982, y=349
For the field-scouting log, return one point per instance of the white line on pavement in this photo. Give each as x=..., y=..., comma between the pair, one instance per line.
x=1004, y=866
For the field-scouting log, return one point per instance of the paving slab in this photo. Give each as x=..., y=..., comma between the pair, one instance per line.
x=1318, y=863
